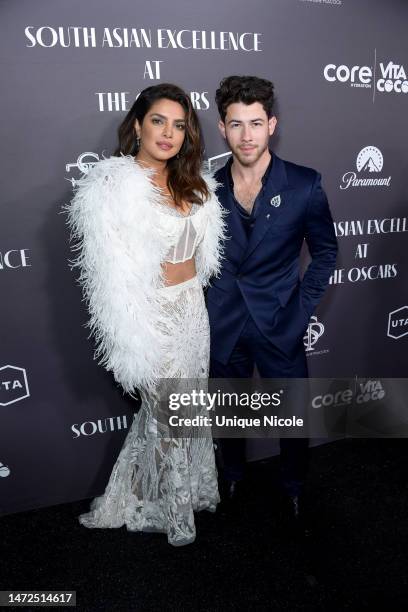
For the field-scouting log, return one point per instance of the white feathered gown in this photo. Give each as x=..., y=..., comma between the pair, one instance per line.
x=146, y=332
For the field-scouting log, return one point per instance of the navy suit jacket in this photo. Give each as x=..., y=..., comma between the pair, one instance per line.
x=260, y=276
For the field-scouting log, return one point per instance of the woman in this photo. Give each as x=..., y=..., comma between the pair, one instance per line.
x=148, y=229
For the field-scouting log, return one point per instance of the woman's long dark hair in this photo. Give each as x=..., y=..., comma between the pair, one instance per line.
x=184, y=171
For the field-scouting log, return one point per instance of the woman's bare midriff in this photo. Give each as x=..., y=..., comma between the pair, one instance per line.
x=179, y=272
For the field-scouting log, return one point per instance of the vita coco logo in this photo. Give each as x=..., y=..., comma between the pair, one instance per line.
x=384, y=77
x=369, y=162
x=370, y=390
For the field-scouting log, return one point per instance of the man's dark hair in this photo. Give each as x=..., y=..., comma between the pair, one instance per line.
x=246, y=89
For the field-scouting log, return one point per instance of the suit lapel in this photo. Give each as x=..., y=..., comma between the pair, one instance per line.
x=274, y=202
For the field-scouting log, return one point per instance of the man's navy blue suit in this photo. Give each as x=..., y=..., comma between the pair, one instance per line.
x=258, y=307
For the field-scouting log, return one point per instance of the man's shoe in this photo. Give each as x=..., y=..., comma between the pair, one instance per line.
x=294, y=511
x=294, y=507
x=230, y=491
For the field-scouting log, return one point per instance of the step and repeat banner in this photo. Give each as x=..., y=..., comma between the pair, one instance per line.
x=70, y=72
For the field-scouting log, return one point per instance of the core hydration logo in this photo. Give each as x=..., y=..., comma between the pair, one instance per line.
x=382, y=77
x=369, y=164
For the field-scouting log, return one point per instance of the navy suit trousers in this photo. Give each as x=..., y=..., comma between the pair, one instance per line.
x=252, y=348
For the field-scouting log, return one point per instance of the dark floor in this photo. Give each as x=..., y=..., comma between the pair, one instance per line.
x=355, y=559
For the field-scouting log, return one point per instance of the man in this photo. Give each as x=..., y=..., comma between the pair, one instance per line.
x=259, y=309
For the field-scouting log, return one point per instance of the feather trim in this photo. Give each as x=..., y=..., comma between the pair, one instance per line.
x=111, y=223
x=211, y=250
x=113, y=218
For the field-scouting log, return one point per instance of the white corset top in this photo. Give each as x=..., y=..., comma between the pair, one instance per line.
x=184, y=232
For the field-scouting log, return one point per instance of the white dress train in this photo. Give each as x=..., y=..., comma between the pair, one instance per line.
x=148, y=333
x=157, y=483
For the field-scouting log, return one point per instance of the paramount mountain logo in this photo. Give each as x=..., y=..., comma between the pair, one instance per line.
x=370, y=166
x=369, y=161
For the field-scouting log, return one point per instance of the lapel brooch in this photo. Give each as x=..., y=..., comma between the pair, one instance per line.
x=276, y=201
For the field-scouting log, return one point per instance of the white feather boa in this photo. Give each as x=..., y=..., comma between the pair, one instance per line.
x=113, y=221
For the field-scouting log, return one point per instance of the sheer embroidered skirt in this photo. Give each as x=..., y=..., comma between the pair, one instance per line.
x=157, y=482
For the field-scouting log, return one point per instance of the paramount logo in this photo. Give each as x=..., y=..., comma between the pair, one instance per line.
x=369, y=161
